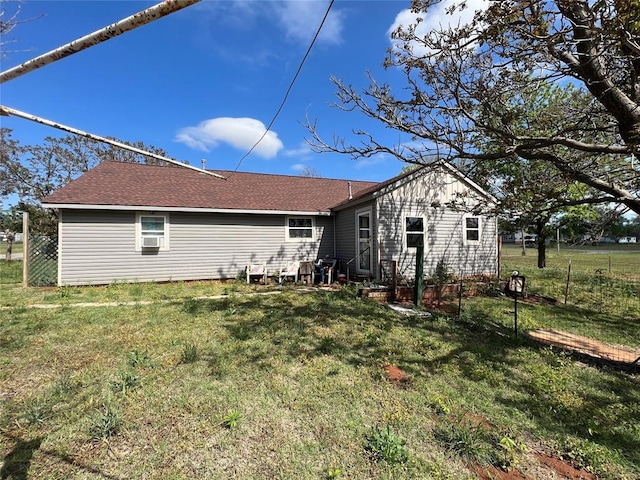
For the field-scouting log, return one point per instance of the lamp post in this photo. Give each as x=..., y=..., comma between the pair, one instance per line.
x=515, y=287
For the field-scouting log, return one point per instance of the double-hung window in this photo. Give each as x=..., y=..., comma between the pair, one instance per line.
x=300, y=228
x=152, y=231
x=414, y=229
x=471, y=230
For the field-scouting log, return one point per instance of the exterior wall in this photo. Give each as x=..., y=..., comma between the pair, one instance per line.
x=346, y=231
x=425, y=197
x=98, y=247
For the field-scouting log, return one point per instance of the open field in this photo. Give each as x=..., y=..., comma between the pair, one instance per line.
x=294, y=386
x=15, y=248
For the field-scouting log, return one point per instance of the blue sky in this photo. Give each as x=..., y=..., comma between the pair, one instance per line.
x=203, y=82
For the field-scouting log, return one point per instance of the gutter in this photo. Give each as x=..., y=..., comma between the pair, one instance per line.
x=158, y=208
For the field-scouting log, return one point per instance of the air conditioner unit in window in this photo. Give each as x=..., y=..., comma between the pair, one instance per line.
x=150, y=242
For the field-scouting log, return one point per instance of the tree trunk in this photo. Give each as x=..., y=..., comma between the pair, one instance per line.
x=542, y=247
x=9, y=247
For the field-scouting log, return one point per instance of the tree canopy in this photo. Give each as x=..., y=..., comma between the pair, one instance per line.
x=34, y=171
x=473, y=93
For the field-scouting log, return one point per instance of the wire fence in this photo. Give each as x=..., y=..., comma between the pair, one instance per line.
x=594, y=299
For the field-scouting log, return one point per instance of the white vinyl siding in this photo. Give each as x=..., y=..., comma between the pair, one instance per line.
x=445, y=229
x=98, y=247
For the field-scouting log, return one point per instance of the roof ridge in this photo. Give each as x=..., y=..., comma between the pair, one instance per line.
x=222, y=171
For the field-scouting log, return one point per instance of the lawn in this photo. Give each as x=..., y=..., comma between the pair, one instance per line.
x=15, y=248
x=292, y=386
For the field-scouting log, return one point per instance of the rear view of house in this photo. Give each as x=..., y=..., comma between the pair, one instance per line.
x=131, y=222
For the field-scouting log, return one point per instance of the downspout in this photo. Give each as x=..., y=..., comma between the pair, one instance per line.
x=335, y=249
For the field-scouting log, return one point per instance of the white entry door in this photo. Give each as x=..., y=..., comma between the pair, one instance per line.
x=365, y=250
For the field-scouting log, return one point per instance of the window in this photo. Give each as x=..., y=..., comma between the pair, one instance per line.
x=152, y=231
x=471, y=230
x=300, y=228
x=414, y=228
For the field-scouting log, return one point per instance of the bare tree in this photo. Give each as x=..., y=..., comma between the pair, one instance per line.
x=471, y=90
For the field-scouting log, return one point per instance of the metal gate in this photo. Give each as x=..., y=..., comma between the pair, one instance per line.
x=43, y=260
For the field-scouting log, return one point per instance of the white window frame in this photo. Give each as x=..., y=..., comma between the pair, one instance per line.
x=406, y=232
x=164, y=239
x=288, y=229
x=465, y=240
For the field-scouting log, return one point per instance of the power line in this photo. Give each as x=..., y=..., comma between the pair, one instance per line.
x=286, y=95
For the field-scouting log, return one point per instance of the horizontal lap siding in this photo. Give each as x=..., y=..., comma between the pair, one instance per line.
x=426, y=197
x=346, y=235
x=99, y=247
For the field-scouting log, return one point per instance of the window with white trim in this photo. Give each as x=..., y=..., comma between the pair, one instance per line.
x=300, y=229
x=414, y=230
x=152, y=231
x=471, y=230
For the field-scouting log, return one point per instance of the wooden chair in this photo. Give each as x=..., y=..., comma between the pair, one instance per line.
x=290, y=270
x=257, y=270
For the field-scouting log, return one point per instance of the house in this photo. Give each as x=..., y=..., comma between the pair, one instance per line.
x=134, y=222
x=628, y=240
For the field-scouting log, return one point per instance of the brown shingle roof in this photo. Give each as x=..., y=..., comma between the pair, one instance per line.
x=132, y=184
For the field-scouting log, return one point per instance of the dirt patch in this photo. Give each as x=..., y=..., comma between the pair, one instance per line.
x=494, y=473
x=396, y=375
x=564, y=468
x=541, y=299
x=585, y=345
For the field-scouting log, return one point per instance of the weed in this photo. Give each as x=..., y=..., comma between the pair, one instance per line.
x=439, y=405
x=65, y=291
x=190, y=306
x=105, y=423
x=126, y=382
x=333, y=473
x=385, y=445
x=139, y=359
x=38, y=410
x=467, y=439
x=509, y=457
x=65, y=385
x=231, y=419
x=189, y=354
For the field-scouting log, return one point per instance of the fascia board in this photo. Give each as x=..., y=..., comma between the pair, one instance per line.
x=157, y=208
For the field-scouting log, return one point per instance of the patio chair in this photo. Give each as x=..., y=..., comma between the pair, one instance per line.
x=328, y=265
x=308, y=272
x=290, y=270
x=257, y=270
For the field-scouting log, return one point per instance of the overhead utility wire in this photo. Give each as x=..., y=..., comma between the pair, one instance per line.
x=286, y=95
x=134, y=21
x=6, y=111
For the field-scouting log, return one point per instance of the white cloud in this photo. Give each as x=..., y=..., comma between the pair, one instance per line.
x=372, y=161
x=298, y=167
x=438, y=18
x=301, y=20
x=241, y=133
x=302, y=152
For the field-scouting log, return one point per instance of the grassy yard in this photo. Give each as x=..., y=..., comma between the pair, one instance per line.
x=292, y=386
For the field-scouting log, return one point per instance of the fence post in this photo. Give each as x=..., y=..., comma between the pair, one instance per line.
x=566, y=288
x=25, y=249
x=419, y=286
